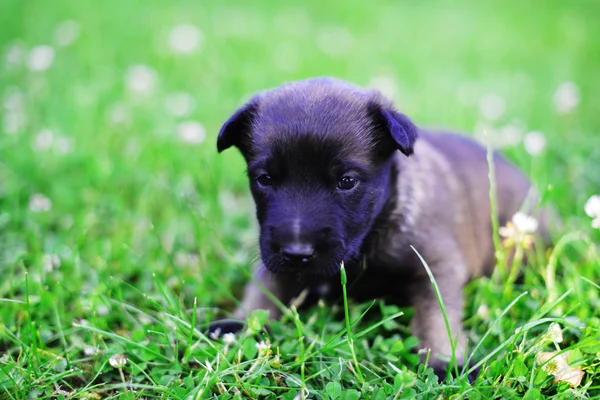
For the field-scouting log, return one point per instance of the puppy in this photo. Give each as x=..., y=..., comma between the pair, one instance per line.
x=338, y=174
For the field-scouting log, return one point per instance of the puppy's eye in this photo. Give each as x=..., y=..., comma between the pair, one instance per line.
x=265, y=180
x=347, y=183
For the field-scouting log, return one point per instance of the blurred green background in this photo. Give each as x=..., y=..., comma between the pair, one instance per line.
x=109, y=178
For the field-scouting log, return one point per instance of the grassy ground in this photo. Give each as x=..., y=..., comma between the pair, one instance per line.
x=123, y=233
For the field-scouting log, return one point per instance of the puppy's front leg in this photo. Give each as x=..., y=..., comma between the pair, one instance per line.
x=283, y=287
x=428, y=322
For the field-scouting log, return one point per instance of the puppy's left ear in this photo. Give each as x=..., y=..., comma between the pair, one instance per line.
x=398, y=126
x=236, y=130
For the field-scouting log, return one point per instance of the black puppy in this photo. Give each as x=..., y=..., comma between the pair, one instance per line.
x=332, y=181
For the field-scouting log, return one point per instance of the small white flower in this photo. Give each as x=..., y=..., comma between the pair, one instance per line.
x=118, y=114
x=51, y=262
x=191, y=132
x=13, y=122
x=566, y=97
x=15, y=54
x=39, y=203
x=386, y=84
x=90, y=351
x=179, y=104
x=185, y=38
x=118, y=361
x=335, y=41
x=229, y=339
x=524, y=223
x=534, y=143
x=558, y=365
x=63, y=145
x=592, y=209
x=40, y=58
x=14, y=100
x=102, y=310
x=66, y=33
x=43, y=140
x=592, y=206
x=263, y=348
x=492, y=106
x=483, y=312
x=140, y=79
x=510, y=135
x=555, y=333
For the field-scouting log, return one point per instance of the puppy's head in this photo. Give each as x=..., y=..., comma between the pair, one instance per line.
x=319, y=154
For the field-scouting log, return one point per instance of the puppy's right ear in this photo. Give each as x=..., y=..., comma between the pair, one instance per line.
x=236, y=131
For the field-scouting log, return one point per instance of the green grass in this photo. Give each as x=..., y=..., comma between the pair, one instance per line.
x=151, y=236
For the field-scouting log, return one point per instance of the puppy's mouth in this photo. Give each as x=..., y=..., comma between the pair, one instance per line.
x=317, y=265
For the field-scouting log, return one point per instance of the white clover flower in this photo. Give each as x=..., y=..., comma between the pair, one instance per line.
x=15, y=54
x=118, y=114
x=592, y=206
x=140, y=79
x=40, y=58
x=39, y=203
x=264, y=348
x=524, y=223
x=185, y=38
x=492, y=106
x=555, y=333
x=102, y=310
x=90, y=350
x=335, y=41
x=592, y=209
x=43, y=140
x=229, y=339
x=566, y=97
x=179, y=104
x=534, y=143
x=63, y=145
x=191, y=132
x=51, y=262
x=13, y=122
x=386, y=84
x=66, y=33
x=558, y=365
x=118, y=361
x=510, y=135
x=519, y=230
x=483, y=312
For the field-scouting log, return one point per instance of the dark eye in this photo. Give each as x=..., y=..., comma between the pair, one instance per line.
x=347, y=183
x=265, y=180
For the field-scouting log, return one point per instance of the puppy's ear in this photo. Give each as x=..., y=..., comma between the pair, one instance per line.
x=236, y=131
x=397, y=125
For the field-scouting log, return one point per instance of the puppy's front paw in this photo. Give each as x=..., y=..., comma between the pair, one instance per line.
x=223, y=326
x=443, y=370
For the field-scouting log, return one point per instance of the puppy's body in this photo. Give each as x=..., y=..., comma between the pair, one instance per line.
x=332, y=182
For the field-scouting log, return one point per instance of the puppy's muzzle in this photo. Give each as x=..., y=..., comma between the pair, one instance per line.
x=298, y=248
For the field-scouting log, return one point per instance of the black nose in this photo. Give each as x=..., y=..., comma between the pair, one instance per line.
x=298, y=252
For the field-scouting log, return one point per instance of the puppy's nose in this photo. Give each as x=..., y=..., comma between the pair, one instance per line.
x=298, y=252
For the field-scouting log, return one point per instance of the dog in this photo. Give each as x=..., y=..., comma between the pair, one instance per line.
x=338, y=174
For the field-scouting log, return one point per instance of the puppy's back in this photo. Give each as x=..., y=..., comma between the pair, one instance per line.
x=468, y=162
